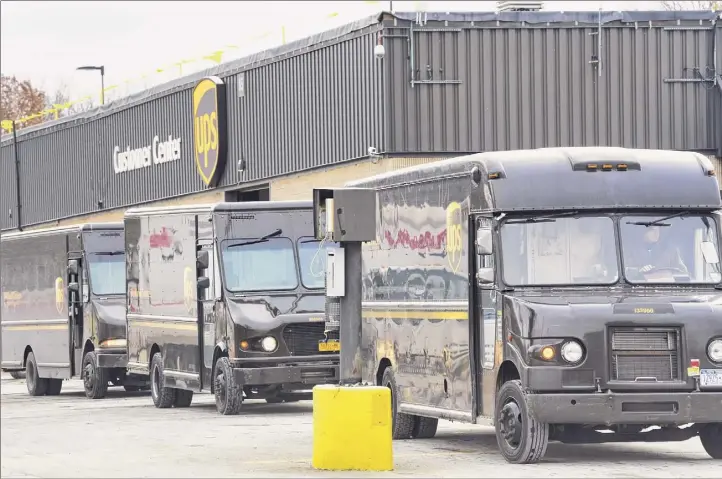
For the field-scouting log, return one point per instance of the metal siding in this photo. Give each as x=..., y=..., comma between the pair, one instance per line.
x=305, y=111
x=525, y=87
x=8, y=190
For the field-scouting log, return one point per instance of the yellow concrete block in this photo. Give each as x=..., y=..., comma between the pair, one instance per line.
x=352, y=428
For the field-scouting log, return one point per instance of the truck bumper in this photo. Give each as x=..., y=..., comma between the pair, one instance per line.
x=111, y=359
x=626, y=408
x=307, y=371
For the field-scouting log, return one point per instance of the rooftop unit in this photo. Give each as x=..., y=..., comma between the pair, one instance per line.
x=518, y=6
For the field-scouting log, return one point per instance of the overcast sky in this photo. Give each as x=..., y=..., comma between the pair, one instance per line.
x=45, y=41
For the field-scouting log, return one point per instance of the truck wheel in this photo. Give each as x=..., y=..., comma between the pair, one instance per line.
x=54, y=387
x=183, y=398
x=521, y=438
x=228, y=394
x=36, y=385
x=95, y=379
x=711, y=437
x=17, y=374
x=163, y=397
x=402, y=424
x=425, y=427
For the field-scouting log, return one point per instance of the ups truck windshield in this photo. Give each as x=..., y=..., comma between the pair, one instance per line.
x=107, y=273
x=582, y=250
x=271, y=264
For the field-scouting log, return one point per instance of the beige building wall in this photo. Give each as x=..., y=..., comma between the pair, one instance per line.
x=300, y=186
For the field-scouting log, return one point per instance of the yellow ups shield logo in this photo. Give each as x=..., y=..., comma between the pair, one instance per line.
x=454, y=243
x=209, y=129
x=59, y=295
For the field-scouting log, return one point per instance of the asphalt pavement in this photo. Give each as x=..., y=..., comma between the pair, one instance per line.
x=124, y=435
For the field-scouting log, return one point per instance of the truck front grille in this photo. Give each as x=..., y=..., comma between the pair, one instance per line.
x=645, y=354
x=302, y=338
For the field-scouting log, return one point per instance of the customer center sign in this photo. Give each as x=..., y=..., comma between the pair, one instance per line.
x=156, y=153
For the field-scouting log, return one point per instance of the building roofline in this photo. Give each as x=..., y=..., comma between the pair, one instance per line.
x=380, y=19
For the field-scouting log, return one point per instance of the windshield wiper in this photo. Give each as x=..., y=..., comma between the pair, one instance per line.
x=110, y=253
x=542, y=219
x=658, y=222
x=262, y=239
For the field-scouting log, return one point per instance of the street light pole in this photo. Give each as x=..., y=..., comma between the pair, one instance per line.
x=100, y=68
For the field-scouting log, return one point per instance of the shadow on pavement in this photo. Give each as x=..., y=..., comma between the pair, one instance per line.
x=484, y=442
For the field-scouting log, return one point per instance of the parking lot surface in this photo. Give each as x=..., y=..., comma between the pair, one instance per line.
x=124, y=435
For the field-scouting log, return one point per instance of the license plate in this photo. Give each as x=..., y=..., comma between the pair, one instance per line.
x=327, y=346
x=710, y=378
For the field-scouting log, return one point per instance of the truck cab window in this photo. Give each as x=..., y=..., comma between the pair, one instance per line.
x=106, y=271
x=250, y=264
x=559, y=251
x=683, y=248
x=313, y=261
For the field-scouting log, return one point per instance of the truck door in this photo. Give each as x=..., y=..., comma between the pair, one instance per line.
x=207, y=308
x=485, y=315
x=75, y=310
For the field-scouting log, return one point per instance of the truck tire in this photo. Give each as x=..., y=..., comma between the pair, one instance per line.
x=229, y=395
x=163, y=397
x=183, y=398
x=711, y=438
x=54, y=387
x=402, y=424
x=425, y=427
x=17, y=374
x=95, y=379
x=521, y=438
x=36, y=385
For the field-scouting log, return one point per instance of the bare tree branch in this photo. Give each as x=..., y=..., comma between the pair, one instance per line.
x=20, y=99
x=675, y=5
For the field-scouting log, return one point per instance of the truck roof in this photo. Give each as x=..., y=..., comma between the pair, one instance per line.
x=573, y=178
x=57, y=230
x=220, y=207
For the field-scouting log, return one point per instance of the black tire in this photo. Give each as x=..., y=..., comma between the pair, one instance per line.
x=402, y=424
x=521, y=438
x=36, y=385
x=229, y=395
x=17, y=374
x=183, y=398
x=163, y=397
x=425, y=427
x=54, y=387
x=95, y=379
x=711, y=438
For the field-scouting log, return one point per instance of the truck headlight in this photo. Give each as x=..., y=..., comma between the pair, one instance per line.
x=714, y=351
x=572, y=352
x=269, y=344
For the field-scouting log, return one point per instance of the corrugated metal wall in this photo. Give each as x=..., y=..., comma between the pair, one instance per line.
x=306, y=109
x=8, y=190
x=525, y=86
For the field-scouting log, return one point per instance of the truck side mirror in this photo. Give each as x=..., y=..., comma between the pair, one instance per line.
x=484, y=245
x=203, y=283
x=485, y=276
x=73, y=287
x=73, y=267
x=202, y=259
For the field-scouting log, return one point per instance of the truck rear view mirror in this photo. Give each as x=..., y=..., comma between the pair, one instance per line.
x=484, y=245
x=485, y=276
x=202, y=259
x=73, y=287
x=73, y=267
x=203, y=283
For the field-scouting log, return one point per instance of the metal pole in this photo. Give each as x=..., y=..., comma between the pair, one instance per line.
x=350, y=361
x=102, y=85
x=17, y=177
